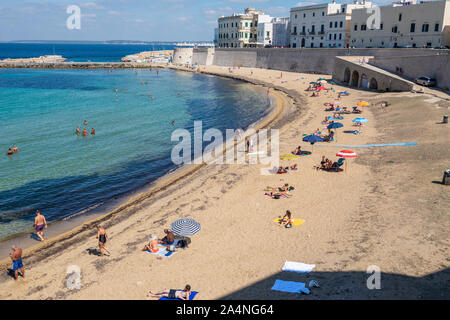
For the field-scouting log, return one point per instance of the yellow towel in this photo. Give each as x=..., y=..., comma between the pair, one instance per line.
x=296, y=222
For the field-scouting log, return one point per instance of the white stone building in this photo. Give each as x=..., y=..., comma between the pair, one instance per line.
x=274, y=33
x=403, y=24
x=240, y=30
x=322, y=25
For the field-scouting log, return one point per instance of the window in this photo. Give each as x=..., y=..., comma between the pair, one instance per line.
x=313, y=27
x=394, y=29
x=322, y=28
x=436, y=27
x=323, y=13
x=246, y=35
x=343, y=10
x=330, y=37
x=335, y=36
x=295, y=16
x=314, y=14
x=295, y=29
x=304, y=15
x=413, y=27
x=251, y=35
x=340, y=36
x=251, y=24
x=356, y=27
x=381, y=26
x=246, y=24
x=399, y=17
x=340, y=24
x=363, y=27
x=256, y=23
x=268, y=33
x=303, y=29
x=425, y=27
x=335, y=24
x=331, y=24
x=294, y=45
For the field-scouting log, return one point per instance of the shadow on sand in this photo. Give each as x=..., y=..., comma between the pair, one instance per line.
x=350, y=285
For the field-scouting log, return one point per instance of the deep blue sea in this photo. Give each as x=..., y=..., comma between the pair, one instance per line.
x=76, y=52
x=61, y=173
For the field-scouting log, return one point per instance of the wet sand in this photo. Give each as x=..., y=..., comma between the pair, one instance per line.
x=387, y=209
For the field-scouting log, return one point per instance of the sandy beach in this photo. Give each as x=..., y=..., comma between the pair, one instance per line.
x=387, y=209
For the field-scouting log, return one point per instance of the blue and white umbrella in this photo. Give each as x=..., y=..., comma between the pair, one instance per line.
x=335, y=125
x=360, y=120
x=185, y=227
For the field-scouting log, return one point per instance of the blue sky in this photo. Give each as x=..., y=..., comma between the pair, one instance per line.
x=148, y=20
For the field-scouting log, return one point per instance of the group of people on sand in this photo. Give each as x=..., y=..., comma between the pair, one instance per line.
x=84, y=133
x=152, y=246
x=279, y=192
x=12, y=150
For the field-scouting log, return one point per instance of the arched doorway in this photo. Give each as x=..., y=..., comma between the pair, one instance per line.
x=347, y=75
x=355, y=79
x=373, y=84
x=303, y=43
x=364, y=81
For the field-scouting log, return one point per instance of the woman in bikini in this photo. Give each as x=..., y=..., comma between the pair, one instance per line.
x=102, y=238
x=152, y=246
x=287, y=219
x=172, y=293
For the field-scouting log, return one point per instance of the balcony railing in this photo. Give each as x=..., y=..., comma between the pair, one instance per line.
x=293, y=33
x=312, y=32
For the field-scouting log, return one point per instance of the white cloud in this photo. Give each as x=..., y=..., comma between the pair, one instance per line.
x=210, y=12
x=277, y=11
x=114, y=13
x=183, y=19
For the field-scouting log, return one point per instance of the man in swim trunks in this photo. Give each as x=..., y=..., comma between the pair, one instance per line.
x=102, y=238
x=40, y=223
x=172, y=293
x=169, y=238
x=16, y=258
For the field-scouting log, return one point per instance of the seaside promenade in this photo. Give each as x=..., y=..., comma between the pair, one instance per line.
x=387, y=209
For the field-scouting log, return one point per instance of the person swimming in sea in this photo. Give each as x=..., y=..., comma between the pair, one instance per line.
x=173, y=123
x=85, y=122
x=84, y=133
x=93, y=131
x=9, y=152
x=77, y=131
x=15, y=149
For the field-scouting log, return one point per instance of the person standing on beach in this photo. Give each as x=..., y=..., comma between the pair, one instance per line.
x=17, y=264
x=40, y=223
x=102, y=238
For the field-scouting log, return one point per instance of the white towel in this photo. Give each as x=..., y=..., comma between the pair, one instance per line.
x=298, y=267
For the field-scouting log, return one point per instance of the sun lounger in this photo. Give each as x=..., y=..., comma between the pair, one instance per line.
x=299, y=267
x=191, y=296
x=290, y=286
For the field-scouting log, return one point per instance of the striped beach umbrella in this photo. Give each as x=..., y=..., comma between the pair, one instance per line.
x=185, y=227
x=346, y=154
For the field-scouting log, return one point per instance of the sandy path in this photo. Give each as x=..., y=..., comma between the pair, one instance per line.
x=352, y=221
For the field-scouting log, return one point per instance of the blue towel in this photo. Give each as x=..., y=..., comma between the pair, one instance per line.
x=191, y=296
x=290, y=286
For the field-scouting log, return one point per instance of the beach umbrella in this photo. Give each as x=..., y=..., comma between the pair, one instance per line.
x=335, y=125
x=185, y=227
x=321, y=79
x=346, y=154
x=362, y=104
x=313, y=138
x=321, y=88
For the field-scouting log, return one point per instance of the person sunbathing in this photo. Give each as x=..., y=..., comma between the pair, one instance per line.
x=152, y=246
x=356, y=110
x=172, y=293
x=169, y=238
x=278, y=195
x=297, y=151
x=287, y=220
x=330, y=108
x=281, y=170
x=293, y=167
x=322, y=163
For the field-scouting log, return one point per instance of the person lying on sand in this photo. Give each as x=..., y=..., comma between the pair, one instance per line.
x=172, y=293
x=293, y=167
x=281, y=170
x=169, y=238
x=152, y=246
x=277, y=195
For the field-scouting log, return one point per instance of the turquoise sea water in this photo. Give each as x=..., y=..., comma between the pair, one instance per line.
x=61, y=173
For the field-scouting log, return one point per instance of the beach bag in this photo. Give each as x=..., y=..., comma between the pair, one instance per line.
x=288, y=225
